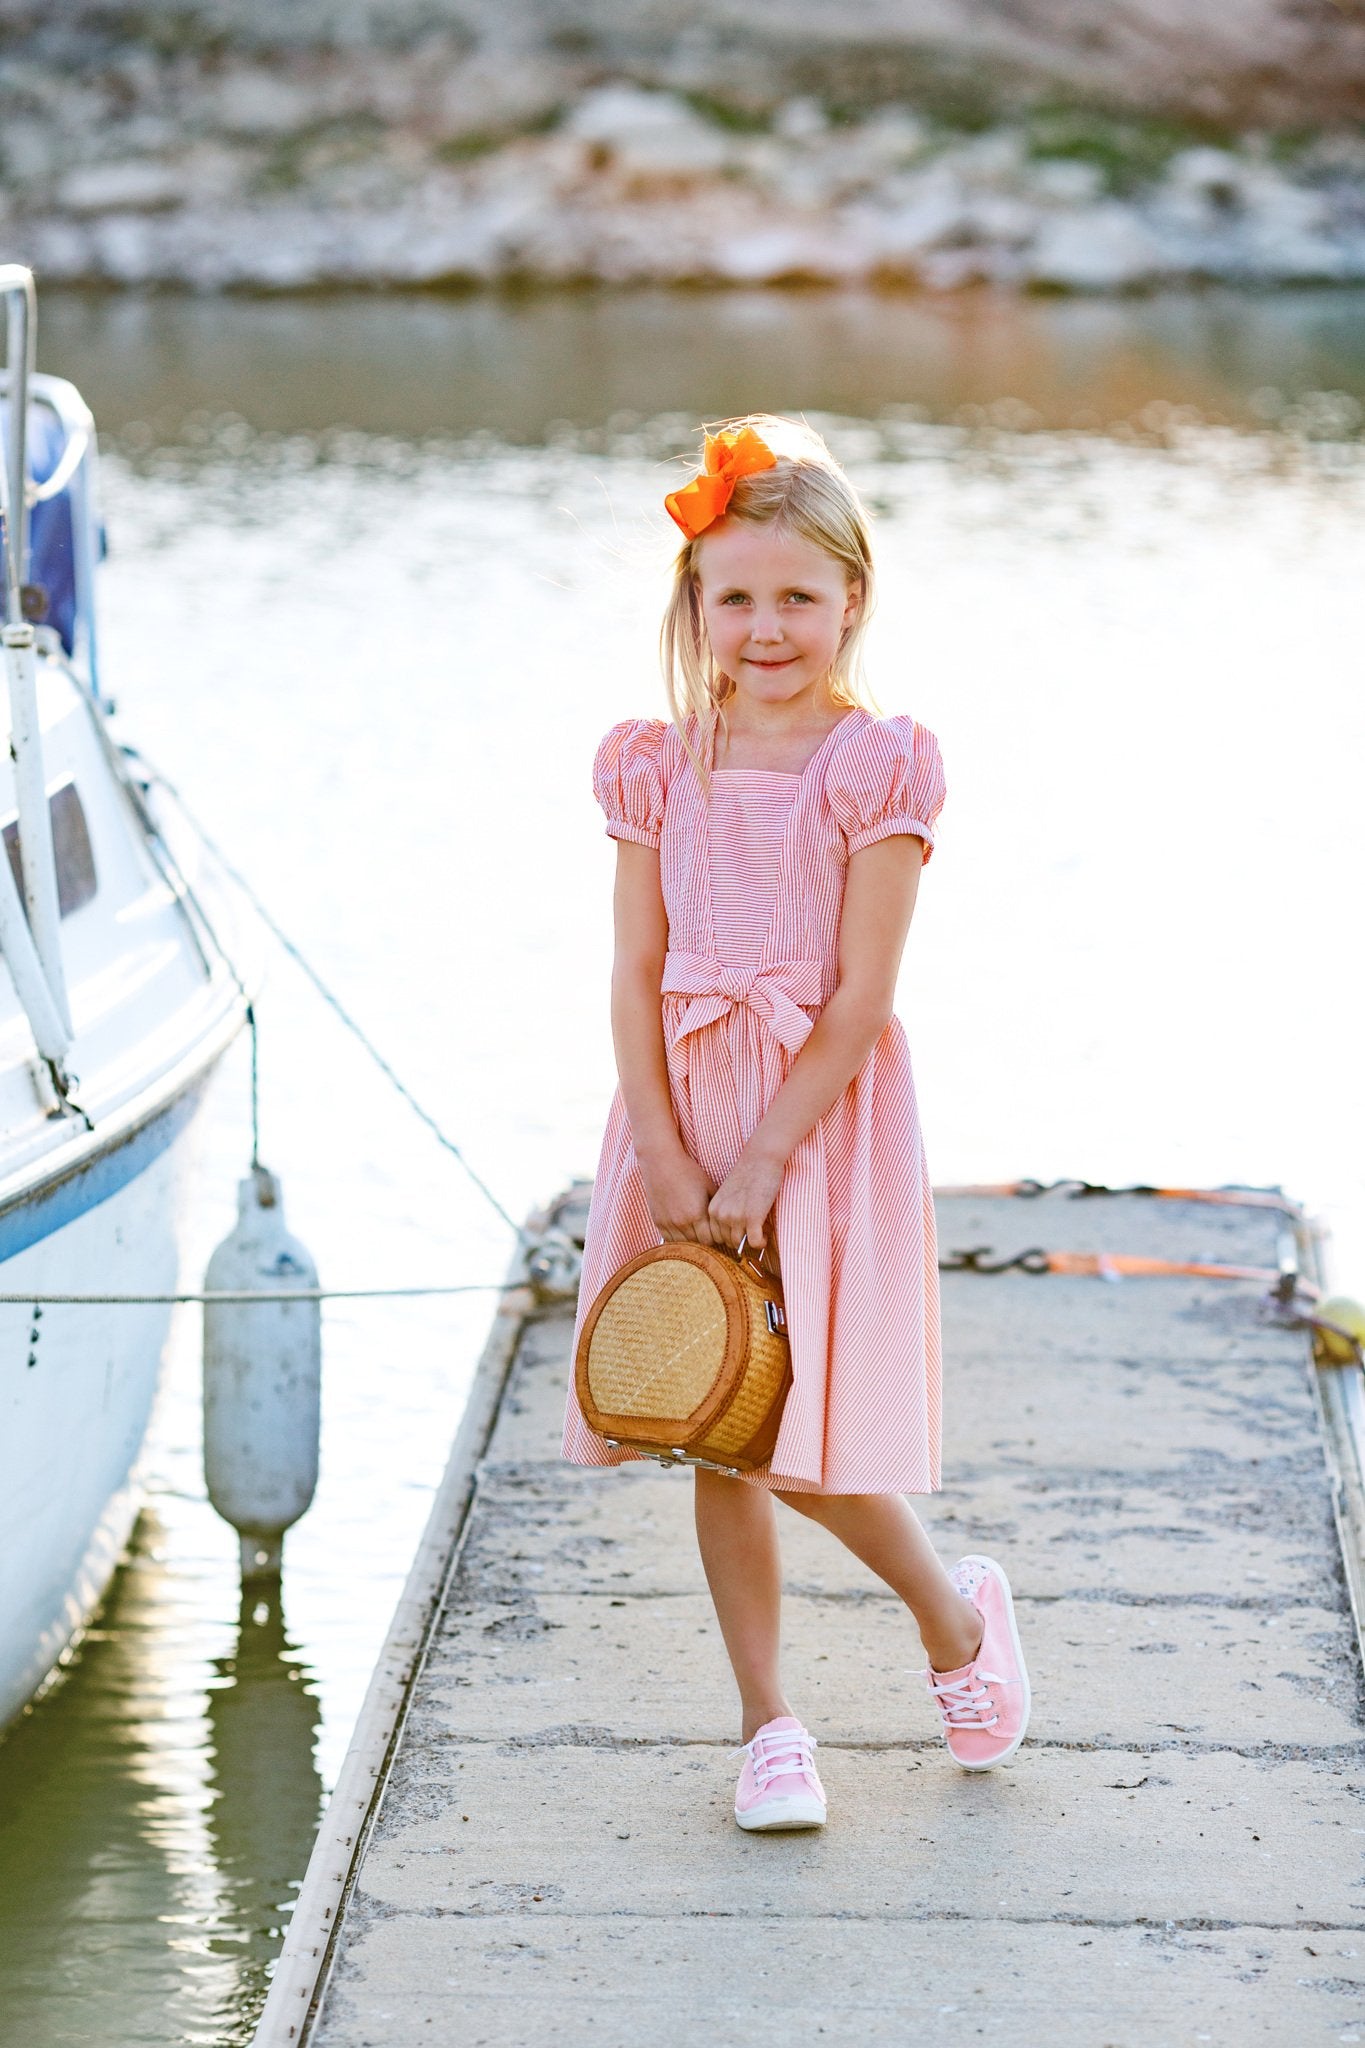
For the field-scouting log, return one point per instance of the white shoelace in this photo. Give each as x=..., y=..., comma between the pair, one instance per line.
x=967, y=1702
x=787, y=1750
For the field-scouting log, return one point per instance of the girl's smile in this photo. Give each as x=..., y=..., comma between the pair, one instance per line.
x=775, y=607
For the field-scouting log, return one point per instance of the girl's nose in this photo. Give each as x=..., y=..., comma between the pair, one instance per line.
x=766, y=628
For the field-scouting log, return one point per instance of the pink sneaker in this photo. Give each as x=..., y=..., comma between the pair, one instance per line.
x=985, y=1704
x=779, y=1786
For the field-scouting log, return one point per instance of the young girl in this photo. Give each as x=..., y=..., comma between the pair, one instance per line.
x=771, y=838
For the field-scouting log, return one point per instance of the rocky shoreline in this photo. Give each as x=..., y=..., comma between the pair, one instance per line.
x=274, y=183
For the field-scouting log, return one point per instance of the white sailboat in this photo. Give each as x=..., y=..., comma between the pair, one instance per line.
x=116, y=1002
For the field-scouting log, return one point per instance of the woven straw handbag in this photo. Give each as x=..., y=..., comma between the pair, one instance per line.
x=684, y=1357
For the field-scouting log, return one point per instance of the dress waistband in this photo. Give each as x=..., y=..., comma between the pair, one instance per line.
x=774, y=992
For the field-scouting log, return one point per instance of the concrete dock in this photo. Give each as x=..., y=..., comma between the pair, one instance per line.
x=547, y=1853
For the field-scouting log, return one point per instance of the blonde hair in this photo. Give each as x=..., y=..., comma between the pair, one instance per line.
x=806, y=493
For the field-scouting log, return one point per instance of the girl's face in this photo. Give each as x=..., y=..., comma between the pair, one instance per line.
x=775, y=608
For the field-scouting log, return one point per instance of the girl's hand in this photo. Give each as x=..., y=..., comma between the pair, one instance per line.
x=744, y=1201
x=677, y=1192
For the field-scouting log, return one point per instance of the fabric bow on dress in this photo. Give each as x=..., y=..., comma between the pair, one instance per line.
x=726, y=457
x=773, y=991
x=760, y=1009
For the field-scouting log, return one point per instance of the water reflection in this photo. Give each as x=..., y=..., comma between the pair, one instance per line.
x=158, y=1812
x=263, y=1721
x=516, y=369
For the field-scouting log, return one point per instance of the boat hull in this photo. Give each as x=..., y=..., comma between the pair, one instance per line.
x=79, y=1381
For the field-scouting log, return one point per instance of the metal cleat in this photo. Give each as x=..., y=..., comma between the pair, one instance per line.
x=553, y=1266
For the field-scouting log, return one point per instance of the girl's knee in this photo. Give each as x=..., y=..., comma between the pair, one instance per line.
x=804, y=1503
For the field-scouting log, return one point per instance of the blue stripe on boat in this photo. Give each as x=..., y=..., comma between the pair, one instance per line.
x=31, y=1218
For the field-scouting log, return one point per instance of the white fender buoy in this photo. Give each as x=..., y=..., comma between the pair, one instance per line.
x=262, y=1378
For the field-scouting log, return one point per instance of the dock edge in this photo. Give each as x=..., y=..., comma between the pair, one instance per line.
x=300, y=1976
x=1339, y=1391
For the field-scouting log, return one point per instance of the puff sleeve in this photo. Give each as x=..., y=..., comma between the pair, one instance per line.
x=627, y=780
x=887, y=778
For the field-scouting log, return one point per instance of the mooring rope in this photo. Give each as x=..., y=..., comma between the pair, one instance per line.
x=329, y=996
x=1104, y=1265
x=253, y=1294
x=1230, y=1194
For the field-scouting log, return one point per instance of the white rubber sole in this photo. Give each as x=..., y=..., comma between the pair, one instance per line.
x=775, y=1816
x=978, y=1557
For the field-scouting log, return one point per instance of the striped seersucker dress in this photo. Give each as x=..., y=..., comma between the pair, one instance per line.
x=753, y=895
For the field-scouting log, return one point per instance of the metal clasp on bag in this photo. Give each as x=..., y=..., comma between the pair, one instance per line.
x=773, y=1312
x=671, y=1459
x=675, y=1458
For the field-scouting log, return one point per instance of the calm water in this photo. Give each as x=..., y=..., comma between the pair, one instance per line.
x=380, y=575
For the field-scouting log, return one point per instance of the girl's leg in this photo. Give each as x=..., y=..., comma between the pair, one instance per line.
x=737, y=1537
x=885, y=1532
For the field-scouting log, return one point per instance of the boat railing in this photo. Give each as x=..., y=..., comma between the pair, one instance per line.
x=30, y=929
x=72, y=477
x=75, y=475
x=16, y=287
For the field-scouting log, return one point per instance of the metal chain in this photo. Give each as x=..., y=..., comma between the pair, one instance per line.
x=1035, y=1260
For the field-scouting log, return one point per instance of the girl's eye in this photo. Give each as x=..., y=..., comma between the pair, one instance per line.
x=801, y=596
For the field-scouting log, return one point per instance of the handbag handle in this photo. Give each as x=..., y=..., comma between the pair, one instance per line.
x=754, y=1264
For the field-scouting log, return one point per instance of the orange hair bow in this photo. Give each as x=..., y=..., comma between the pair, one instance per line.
x=726, y=458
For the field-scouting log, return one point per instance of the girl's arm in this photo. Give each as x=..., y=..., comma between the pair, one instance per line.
x=879, y=901
x=676, y=1188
